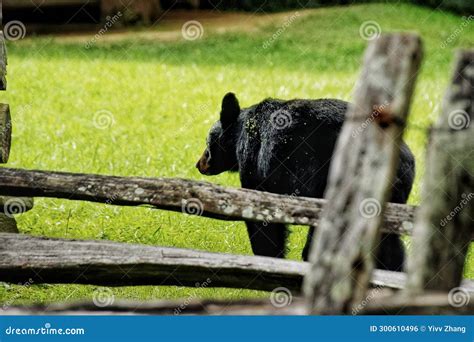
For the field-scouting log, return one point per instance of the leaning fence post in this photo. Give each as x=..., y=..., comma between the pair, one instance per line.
x=3, y=56
x=8, y=206
x=443, y=224
x=360, y=178
x=5, y=132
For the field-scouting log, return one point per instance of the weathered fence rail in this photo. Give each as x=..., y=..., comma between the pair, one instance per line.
x=431, y=303
x=200, y=198
x=111, y=264
x=106, y=263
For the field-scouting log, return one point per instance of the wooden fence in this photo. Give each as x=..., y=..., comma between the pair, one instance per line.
x=340, y=276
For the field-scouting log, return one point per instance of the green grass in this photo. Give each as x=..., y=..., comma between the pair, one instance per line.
x=164, y=96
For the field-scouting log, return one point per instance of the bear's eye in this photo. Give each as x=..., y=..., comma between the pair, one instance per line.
x=207, y=154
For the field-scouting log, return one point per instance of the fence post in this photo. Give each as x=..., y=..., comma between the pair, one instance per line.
x=8, y=206
x=360, y=178
x=3, y=55
x=5, y=132
x=443, y=224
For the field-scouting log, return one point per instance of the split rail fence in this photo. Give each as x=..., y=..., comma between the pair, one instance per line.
x=340, y=275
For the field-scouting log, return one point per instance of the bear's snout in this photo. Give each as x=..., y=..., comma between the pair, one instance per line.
x=202, y=165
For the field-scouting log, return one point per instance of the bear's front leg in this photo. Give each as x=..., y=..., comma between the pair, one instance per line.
x=307, y=246
x=267, y=239
x=391, y=253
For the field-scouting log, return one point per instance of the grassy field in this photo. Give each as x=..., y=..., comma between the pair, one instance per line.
x=160, y=97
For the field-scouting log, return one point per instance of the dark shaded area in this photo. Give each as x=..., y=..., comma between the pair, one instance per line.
x=65, y=14
x=90, y=12
x=465, y=7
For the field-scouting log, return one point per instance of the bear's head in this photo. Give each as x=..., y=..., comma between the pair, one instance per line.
x=220, y=154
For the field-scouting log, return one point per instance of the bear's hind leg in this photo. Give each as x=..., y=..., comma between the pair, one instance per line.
x=391, y=253
x=267, y=240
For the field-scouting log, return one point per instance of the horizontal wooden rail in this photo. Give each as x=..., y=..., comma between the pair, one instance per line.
x=192, y=197
x=117, y=264
x=379, y=304
x=107, y=263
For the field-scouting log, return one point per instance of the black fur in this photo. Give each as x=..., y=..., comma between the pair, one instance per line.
x=285, y=147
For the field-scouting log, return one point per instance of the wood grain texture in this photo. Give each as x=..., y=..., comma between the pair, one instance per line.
x=379, y=304
x=3, y=62
x=5, y=132
x=445, y=222
x=114, y=264
x=361, y=175
x=192, y=197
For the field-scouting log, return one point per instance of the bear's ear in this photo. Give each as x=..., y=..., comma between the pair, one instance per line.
x=230, y=110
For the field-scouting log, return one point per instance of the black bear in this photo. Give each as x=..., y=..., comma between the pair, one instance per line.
x=285, y=147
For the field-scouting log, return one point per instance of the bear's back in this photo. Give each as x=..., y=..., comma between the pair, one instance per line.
x=286, y=147
x=286, y=142
x=281, y=115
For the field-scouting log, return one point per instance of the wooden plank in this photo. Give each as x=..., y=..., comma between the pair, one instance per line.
x=444, y=224
x=379, y=304
x=106, y=263
x=163, y=307
x=361, y=175
x=5, y=133
x=112, y=264
x=182, y=195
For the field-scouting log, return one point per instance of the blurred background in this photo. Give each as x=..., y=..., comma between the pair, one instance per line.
x=147, y=11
